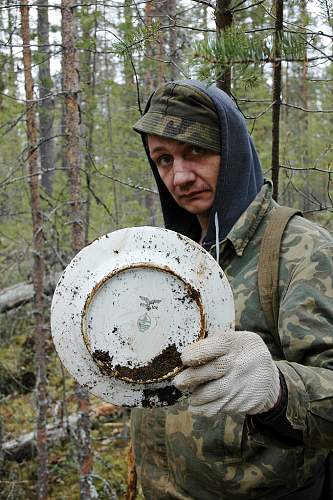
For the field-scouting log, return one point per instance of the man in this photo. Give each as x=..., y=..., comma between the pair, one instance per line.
x=259, y=422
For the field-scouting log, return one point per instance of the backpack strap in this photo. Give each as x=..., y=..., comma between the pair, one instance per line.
x=268, y=270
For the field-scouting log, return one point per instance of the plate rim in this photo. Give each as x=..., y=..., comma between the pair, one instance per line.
x=115, y=384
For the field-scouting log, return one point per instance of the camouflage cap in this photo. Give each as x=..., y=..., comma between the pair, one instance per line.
x=184, y=113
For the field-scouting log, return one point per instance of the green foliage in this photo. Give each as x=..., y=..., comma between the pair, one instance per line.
x=236, y=47
x=54, y=28
x=134, y=41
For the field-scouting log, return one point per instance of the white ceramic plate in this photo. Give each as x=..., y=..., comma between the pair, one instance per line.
x=127, y=305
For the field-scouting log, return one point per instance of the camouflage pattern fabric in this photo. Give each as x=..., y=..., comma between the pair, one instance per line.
x=183, y=113
x=185, y=457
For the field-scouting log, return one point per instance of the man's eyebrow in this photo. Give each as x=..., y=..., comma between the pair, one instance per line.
x=157, y=149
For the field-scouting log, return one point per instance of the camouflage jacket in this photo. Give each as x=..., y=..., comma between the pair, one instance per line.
x=186, y=457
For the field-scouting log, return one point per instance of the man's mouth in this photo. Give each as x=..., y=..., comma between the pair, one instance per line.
x=193, y=194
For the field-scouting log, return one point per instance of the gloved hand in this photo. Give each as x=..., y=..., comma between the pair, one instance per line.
x=232, y=372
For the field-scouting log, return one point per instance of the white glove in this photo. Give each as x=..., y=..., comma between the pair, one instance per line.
x=232, y=372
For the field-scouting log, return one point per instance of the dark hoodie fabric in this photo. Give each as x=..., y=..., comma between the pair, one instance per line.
x=240, y=178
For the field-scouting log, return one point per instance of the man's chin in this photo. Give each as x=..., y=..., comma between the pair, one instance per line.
x=197, y=209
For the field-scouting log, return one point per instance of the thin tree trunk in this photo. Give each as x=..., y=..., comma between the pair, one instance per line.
x=223, y=19
x=308, y=189
x=38, y=259
x=285, y=111
x=131, y=474
x=11, y=78
x=288, y=193
x=128, y=70
x=2, y=81
x=88, y=68
x=72, y=133
x=72, y=121
x=2, y=70
x=159, y=8
x=150, y=84
x=174, y=56
x=305, y=138
x=46, y=105
x=110, y=146
x=277, y=87
x=2, y=454
x=148, y=78
x=205, y=21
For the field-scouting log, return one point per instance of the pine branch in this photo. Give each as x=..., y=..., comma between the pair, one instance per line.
x=234, y=46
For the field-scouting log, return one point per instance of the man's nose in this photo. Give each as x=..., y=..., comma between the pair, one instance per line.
x=182, y=174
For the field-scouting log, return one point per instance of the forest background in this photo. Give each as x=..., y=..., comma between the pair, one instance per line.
x=74, y=77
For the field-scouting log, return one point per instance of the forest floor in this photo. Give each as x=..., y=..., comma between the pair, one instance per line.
x=109, y=432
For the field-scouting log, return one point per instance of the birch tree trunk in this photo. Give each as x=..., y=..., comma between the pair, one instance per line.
x=46, y=105
x=277, y=87
x=38, y=258
x=72, y=134
x=223, y=17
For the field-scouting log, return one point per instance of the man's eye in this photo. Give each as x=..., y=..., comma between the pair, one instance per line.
x=164, y=161
x=197, y=150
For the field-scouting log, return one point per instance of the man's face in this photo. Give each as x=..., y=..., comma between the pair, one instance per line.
x=189, y=172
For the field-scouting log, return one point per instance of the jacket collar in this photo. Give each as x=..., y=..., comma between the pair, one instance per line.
x=247, y=224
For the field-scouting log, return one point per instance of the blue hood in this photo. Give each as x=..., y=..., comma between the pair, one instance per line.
x=240, y=177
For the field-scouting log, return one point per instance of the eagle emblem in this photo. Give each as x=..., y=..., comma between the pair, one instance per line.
x=148, y=303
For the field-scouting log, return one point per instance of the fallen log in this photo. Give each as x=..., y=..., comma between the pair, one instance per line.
x=21, y=293
x=24, y=447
